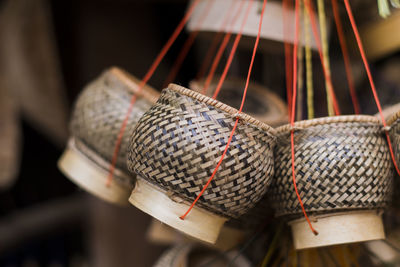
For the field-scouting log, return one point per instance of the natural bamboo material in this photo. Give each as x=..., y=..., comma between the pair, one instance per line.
x=201, y=224
x=161, y=233
x=342, y=163
x=394, y=132
x=90, y=172
x=261, y=103
x=338, y=228
x=175, y=147
x=96, y=120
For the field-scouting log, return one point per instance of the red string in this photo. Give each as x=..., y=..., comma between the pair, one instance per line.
x=187, y=45
x=240, y=110
x=146, y=78
x=327, y=76
x=214, y=44
x=233, y=51
x=346, y=57
x=209, y=55
x=371, y=81
x=288, y=58
x=294, y=111
x=221, y=49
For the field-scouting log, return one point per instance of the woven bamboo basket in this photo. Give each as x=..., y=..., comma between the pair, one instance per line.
x=394, y=133
x=95, y=124
x=174, y=149
x=344, y=175
x=261, y=103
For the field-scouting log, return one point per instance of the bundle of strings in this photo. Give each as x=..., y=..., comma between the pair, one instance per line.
x=241, y=105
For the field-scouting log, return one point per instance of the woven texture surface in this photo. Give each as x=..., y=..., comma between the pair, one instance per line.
x=179, y=141
x=341, y=163
x=261, y=103
x=394, y=133
x=99, y=113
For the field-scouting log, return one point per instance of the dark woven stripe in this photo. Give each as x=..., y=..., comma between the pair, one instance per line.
x=344, y=165
x=178, y=142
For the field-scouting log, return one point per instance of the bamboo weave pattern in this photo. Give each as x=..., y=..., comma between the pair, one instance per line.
x=341, y=163
x=98, y=115
x=178, y=142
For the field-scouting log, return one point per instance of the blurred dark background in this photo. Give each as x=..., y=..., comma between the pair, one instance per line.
x=50, y=50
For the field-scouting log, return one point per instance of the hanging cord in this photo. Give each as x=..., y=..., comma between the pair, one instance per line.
x=214, y=43
x=239, y=111
x=371, y=81
x=300, y=71
x=309, y=73
x=221, y=49
x=325, y=53
x=288, y=57
x=327, y=75
x=346, y=57
x=233, y=51
x=146, y=78
x=187, y=45
x=293, y=114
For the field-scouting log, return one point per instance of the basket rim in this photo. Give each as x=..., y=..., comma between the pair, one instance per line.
x=219, y=105
x=263, y=90
x=327, y=120
x=393, y=117
x=132, y=83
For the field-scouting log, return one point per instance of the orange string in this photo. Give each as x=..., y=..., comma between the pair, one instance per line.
x=209, y=55
x=294, y=111
x=371, y=81
x=318, y=42
x=187, y=45
x=221, y=50
x=214, y=44
x=233, y=51
x=346, y=57
x=145, y=79
x=237, y=119
x=288, y=58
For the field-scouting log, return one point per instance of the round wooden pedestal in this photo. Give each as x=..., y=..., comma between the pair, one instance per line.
x=199, y=224
x=91, y=177
x=338, y=228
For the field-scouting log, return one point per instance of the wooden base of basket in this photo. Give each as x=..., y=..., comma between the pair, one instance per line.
x=160, y=233
x=199, y=224
x=338, y=228
x=91, y=177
